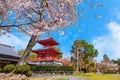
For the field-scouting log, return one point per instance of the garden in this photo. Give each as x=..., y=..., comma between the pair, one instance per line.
x=85, y=35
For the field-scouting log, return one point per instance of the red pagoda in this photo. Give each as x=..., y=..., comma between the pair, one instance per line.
x=48, y=55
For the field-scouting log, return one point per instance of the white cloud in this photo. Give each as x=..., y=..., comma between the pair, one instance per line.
x=116, y=13
x=19, y=42
x=109, y=43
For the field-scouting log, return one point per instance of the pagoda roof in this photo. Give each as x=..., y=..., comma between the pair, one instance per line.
x=48, y=42
x=46, y=50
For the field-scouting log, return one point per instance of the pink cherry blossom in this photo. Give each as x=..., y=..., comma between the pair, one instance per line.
x=35, y=17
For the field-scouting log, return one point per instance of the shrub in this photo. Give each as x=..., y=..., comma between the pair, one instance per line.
x=22, y=69
x=29, y=73
x=119, y=69
x=9, y=68
x=0, y=70
x=92, y=64
x=92, y=69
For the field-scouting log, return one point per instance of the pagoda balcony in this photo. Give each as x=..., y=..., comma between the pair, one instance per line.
x=63, y=61
x=43, y=59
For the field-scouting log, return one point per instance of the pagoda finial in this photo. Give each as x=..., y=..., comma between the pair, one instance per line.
x=48, y=34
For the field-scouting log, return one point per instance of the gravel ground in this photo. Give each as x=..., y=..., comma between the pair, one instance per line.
x=68, y=77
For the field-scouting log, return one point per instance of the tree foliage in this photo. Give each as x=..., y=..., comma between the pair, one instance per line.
x=35, y=17
x=107, y=65
x=106, y=58
x=58, y=49
x=116, y=61
x=85, y=51
x=32, y=55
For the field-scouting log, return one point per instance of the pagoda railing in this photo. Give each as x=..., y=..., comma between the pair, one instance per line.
x=64, y=61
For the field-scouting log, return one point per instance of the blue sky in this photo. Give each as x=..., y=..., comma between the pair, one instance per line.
x=103, y=33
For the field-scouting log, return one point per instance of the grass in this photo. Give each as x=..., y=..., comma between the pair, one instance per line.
x=93, y=76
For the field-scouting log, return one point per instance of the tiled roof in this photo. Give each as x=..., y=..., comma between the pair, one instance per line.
x=48, y=42
x=8, y=50
x=7, y=59
x=46, y=50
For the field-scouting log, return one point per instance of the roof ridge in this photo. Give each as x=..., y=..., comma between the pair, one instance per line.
x=6, y=45
x=45, y=38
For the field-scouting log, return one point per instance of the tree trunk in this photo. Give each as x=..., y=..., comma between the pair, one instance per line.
x=86, y=67
x=28, y=49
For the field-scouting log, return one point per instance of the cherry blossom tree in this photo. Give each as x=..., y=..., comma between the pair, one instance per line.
x=35, y=17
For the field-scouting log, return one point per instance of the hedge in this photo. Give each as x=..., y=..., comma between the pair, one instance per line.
x=52, y=68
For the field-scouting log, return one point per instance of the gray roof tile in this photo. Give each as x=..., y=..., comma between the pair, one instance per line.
x=8, y=50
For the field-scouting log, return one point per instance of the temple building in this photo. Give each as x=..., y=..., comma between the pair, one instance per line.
x=48, y=55
x=8, y=55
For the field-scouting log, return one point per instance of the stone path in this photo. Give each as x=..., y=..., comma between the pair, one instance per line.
x=4, y=76
x=68, y=77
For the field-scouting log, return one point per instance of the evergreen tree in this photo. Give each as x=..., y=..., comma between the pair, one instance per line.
x=85, y=51
x=106, y=58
